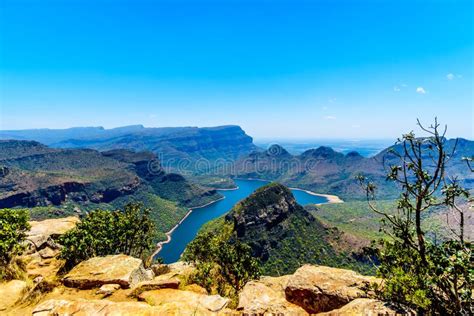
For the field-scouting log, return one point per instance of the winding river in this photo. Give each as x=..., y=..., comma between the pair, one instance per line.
x=188, y=228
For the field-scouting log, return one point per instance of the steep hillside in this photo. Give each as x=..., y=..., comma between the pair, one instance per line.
x=283, y=235
x=178, y=147
x=57, y=182
x=324, y=170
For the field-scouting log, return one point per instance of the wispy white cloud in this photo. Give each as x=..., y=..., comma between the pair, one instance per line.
x=325, y=108
x=355, y=126
x=396, y=89
x=421, y=90
x=404, y=85
x=152, y=116
x=329, y=117
x=332, y=100
x=452, y=76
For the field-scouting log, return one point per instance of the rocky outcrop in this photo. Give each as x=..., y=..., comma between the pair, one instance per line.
x=11, y=292
x=43, y=233
x=264, y=209
x=267, y=297
x=316, y=290
x=156, y=284
x=211, y=303
x=281, y=233
x=310, y=290
x=367, y=306
x=320, y=289
x=106, y=308
x=117, y=269
x=108, y=289
x=41, y=255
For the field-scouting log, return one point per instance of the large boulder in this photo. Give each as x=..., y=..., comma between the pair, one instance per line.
x=107, y=308
x=267, y=297
x=95, y=272
x=11, y=292
x=41, y=256
x=44, y=232
x=367, y=306
x=156, y=284
x=320, y=289
x=211, y=303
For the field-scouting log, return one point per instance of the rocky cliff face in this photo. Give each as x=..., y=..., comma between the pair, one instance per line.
x=36, y=175
x=263, y=210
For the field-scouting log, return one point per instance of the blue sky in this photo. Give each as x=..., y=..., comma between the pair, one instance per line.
x=291, y=69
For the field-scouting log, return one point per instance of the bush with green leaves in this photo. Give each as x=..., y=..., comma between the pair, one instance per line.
x=13, y=228
x=433, y=277
x=102, y=233
x=224, y=264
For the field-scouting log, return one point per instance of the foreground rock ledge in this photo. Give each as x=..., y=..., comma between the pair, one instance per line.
x=43, y=231
x=188, y=299
x=267, y=297
x=367, y=306
x=117, y=269
x=11, y=292
x=321, y=289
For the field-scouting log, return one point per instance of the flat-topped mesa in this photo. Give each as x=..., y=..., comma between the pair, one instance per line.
x=266, y=207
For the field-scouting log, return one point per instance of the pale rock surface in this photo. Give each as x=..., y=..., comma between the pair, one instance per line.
x=320, y=289
x=212, y=303
x=366, y=307
x=195, y=288
x=267, y=297
x=108, y=289
x=157, y=284
x=47, y=253
x=95, y=272
x=107, y=308
x=11, y=292
x=39, y=267
x=41, y=257
x=180, y=268
x=42, y=232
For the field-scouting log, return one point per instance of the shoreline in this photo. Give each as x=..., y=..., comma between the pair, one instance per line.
x=332, y=199
x=168, y=234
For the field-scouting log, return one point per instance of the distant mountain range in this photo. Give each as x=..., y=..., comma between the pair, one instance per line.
x=213, y=155
x=178, y=148
x=324, y=170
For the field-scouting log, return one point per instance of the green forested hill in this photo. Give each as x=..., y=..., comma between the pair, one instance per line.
x=283, y=235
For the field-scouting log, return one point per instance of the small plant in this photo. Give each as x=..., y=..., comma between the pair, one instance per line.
x=102, y=233
x=224, y=265
x=13, y=228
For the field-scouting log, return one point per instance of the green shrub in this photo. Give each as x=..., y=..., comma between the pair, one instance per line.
x=223, y=263
x=102, y=233
x=13, y=228
x=431, y=277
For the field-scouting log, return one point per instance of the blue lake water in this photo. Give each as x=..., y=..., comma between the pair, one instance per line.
x=188, y=229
